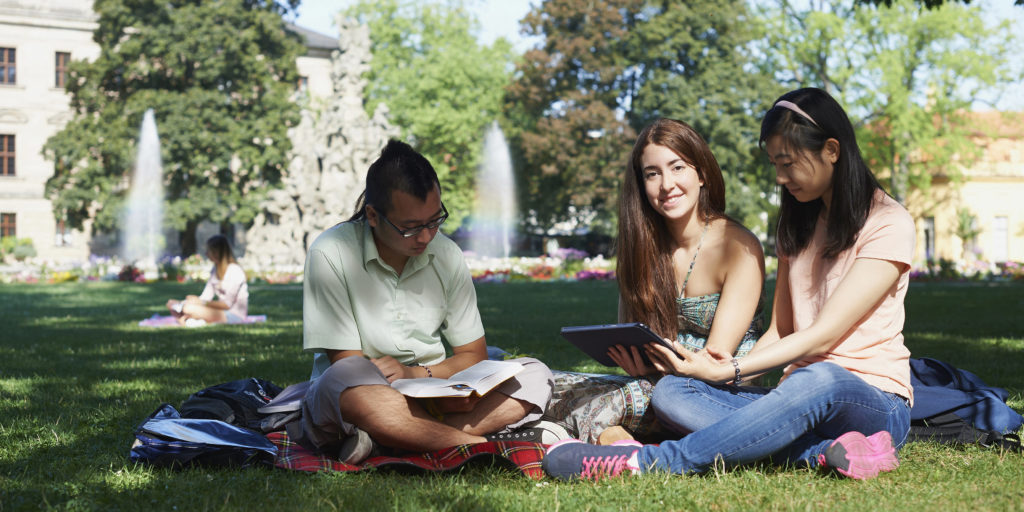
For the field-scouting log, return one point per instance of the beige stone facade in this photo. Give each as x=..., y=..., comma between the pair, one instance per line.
x=991, y=190
x=33, y=106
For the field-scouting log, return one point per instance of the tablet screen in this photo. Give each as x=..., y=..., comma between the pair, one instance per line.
x=595, y=340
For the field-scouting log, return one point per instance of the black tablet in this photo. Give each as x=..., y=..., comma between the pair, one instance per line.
x=595, y=340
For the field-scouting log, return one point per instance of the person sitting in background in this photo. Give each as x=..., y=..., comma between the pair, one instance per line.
x=225, y=299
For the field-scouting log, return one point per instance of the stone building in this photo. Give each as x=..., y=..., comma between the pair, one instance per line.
x=991, y=192
x=37, y=40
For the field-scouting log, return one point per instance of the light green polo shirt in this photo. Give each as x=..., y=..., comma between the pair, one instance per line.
x=353, y=300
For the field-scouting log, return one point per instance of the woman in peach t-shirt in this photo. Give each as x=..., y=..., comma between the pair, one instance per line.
x=844, y=260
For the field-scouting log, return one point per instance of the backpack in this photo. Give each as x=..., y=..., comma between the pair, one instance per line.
x=165, y=439
x=955, y=406
x=236, y=402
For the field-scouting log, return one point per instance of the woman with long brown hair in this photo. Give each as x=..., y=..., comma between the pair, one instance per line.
x=225, y=299
x=685, y=268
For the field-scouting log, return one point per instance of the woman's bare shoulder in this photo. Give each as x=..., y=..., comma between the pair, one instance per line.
x=737, y=237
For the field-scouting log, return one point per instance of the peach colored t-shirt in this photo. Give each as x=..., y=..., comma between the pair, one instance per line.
x=873, y=348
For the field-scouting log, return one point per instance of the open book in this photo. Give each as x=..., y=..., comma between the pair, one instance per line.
x=479, y=378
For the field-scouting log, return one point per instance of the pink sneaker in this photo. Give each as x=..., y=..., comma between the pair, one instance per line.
x=856, y=456
x=572, y=459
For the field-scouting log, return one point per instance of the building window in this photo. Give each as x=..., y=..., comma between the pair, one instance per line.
x=63, y=238
x=929, y=238
x=1000, y=239
x=7, y=66
x=61, y=69
x=8, y=224
x=6, y=155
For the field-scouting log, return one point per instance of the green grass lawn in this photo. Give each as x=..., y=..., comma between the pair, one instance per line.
x=77, y=375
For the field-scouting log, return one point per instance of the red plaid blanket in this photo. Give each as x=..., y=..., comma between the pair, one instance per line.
x=523, y=456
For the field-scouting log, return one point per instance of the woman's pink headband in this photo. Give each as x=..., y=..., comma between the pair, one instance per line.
x=792, y=106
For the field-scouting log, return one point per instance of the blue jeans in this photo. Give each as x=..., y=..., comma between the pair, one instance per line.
x=792, y=423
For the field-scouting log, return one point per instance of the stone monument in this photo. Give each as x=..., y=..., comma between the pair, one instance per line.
x=331, y=151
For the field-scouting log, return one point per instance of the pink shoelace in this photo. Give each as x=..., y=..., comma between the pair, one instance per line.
x=597, y=467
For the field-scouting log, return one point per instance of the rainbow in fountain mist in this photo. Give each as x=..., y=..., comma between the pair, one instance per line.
x=492, y=226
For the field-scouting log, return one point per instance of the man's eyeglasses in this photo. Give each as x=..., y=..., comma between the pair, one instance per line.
x=411, y=232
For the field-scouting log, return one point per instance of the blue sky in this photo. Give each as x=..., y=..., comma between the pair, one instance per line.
x=498, y=18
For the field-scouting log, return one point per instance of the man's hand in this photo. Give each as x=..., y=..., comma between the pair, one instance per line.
x=448, y=405
x=392, y=369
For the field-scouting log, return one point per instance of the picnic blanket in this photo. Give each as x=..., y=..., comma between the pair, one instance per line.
x=169, y=321
x=525, y=457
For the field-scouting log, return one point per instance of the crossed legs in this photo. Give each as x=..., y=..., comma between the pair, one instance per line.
x=395, y=420
x=352, y=394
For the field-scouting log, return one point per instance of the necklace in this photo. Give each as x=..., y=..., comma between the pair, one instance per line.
x=694, y=260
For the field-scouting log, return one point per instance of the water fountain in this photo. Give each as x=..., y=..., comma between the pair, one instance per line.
x=142, y=223
x=492, y=225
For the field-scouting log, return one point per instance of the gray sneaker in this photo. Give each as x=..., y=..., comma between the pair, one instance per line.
x=356, y=447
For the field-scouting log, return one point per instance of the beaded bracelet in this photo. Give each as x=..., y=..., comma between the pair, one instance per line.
x=736, y=366
x=430, y=374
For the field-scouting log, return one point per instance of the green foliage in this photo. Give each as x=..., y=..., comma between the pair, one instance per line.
x=907, y=76
x=19, y=248
x=570, y=140
x=608, y=68
x=218, y=76
x=442, y=88
x=79, y=376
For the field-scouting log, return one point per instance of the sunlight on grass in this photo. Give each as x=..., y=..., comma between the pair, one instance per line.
x=77, y=375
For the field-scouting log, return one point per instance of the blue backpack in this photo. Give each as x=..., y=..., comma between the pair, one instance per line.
x=955, y=406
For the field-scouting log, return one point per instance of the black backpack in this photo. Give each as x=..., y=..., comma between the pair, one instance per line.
x=955, y=406
x=948, y=428
x=234, y=402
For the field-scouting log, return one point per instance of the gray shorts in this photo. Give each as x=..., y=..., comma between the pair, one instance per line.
x=322, y=426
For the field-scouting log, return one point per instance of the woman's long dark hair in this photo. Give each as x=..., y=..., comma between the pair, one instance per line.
x=219, y=249
x=644, y=247
x=853, y=184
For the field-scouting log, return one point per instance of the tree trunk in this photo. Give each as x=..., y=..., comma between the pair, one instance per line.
x=187, y=239
x=899, y=181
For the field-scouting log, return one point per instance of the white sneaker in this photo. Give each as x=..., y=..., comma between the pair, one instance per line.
x=552, y=432
x=356, y=447
x=194, y=322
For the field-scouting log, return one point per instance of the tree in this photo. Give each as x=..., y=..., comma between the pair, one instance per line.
x=565, y=104
x=442, y=88
x=606, y=69
x=218, y=76
x=931, y=4
x=699, y=69
x=907, y=77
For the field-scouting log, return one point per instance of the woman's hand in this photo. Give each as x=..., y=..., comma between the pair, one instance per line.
x=705, y=365
x=630, y=360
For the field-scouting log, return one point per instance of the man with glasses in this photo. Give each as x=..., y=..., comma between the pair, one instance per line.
x=379, y=292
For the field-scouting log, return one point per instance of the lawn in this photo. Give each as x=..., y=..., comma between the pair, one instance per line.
x=77, y=375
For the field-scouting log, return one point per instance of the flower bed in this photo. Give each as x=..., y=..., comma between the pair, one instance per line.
x=565, y=265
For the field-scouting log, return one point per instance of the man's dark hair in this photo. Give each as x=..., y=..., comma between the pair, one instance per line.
x=399, y=167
